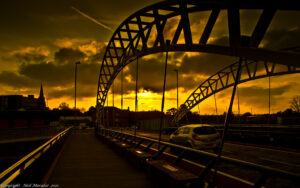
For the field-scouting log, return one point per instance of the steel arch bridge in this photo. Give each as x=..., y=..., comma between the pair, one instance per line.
x=132, y=38
x=225, y=78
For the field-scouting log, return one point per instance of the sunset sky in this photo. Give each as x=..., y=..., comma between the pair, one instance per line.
x=42, y=40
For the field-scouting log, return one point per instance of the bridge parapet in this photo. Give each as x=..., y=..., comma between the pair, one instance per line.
x=192, y=161
x=19, y=168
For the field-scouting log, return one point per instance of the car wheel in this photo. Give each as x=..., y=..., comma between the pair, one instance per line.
x=189, y=145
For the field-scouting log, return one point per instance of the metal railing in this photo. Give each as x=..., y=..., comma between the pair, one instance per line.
x=8, y=175
x=265, y=171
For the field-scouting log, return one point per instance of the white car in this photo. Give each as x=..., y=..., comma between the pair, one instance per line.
x=197, y=136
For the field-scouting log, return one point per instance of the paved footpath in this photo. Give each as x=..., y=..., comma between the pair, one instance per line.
x=87, y=162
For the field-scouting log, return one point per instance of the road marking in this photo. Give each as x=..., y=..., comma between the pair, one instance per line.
x=280, y=162
x=264, y=148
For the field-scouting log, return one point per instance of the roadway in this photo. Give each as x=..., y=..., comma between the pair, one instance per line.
x=87, y=162
x=283, y=159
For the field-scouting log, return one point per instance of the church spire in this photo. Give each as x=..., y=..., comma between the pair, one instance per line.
x=41, y=92
x=42, y=98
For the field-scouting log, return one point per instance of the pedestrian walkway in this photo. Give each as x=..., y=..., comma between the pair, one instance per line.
x=87, y=162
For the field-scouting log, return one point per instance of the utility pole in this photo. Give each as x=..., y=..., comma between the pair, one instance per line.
x=269, y=98
x=113, y=95
x=136, y=94
x=216, y=104
x=176, y=70
x=238, y=97
x=136, y=84
x=122, y=89
x=113, y=104
x=77, y=63
x=163, y=94
x=75, y=112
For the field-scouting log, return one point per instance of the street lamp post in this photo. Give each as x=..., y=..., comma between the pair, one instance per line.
x=176, y=70
x=163, y=94
x=77, y=63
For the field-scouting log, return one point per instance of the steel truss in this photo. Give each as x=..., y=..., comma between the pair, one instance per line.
x=132, y=38
x=225, y=78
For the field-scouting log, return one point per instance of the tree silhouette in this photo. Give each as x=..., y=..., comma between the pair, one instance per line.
x=171, y=111
x=63, y=106
x=295, y=104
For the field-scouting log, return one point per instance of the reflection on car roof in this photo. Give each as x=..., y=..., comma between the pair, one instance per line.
x=198, y=125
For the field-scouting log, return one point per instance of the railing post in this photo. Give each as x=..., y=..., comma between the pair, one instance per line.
x=139, y=143
x=179, y=158
x=148, y=147
x=159, y=152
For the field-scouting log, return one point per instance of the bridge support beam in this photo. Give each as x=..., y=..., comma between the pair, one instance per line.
x=228, y=116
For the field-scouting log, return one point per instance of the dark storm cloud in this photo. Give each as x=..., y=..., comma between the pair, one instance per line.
x=58, y=93
x=284, y=39
x=259, y=91
x=48, y=72
x=88, y=73
x=151, y=71
x=32, y=20
x=14, y=80
x=190, y=82
x=61, y=71
x=30, y=57
x=28, y=54
x=99, y=54
x=259, y=96
x=57, y=75
x=256, y=95
x=69, y=55
x=61, y=75
x=36, y=23
x=82, y=91
x=206, y=64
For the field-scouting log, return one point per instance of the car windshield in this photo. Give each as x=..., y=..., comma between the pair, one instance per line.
x=205, y=130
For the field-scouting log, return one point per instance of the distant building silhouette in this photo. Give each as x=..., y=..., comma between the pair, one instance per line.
x=115, y=117
x=19, y=102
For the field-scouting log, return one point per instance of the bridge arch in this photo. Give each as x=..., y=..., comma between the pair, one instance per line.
x=131, y=39
x=225, y=78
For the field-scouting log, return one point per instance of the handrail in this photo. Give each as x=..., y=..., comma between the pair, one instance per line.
x=17, y=168
x=250, y=165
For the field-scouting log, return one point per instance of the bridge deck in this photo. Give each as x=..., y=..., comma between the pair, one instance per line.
x=87, y=162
